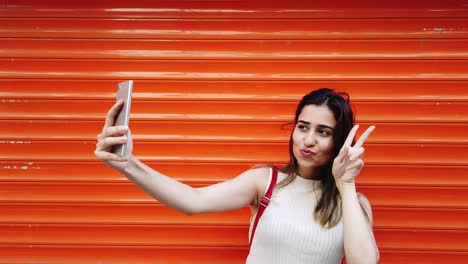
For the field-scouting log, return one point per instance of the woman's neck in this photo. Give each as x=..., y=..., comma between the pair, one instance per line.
x=311, y=173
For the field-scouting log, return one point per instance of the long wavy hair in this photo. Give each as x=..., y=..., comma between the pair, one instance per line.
x=328, y=209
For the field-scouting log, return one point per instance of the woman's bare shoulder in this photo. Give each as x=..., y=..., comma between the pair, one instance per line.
x=260, y=175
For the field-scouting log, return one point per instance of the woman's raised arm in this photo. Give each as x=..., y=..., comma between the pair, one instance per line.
x=229, y=195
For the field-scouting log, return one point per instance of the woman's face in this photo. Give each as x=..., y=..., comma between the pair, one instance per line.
x=313, y=138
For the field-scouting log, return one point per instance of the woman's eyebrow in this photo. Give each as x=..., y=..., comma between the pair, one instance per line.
x=320, y=125
x=325, y=126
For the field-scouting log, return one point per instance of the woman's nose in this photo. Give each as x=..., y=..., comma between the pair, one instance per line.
x=310, y=139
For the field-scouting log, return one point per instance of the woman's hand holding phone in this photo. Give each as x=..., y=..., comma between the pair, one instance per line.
x=113, y=135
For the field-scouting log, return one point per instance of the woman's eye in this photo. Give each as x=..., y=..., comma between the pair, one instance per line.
x=324, y=132
x=302, y=127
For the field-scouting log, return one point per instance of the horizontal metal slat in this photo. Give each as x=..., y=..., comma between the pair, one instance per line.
x=204, y=236
x=192, y=110
x=148, y=131
x=95, y=171
x=413, y=175
x=233, y=49
x=414, y=133
x=69, y=193
x=59, y=254
x=114, y=214
x=275, y=153
x=226, y=28
x=404, y=197
x=137, y=214
x=407, y=197
x=455, y=240
x=235, y=9
x=277, y=91
x=125, y=235
x=241, y=70
x=207, y=173
x=422, y=257
x=84, y=151
x=420, y=218
x=239, y=111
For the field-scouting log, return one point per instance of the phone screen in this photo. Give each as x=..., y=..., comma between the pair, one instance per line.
x=124, y=92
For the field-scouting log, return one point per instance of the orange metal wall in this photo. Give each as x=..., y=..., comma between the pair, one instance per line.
x=214, y=82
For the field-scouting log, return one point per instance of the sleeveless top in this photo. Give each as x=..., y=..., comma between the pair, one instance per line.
x=287, y=231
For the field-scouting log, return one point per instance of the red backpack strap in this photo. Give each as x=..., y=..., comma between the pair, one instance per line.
x=264, y=202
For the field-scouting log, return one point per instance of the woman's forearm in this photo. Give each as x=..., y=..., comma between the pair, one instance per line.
x=359, y=241
x=168, y=191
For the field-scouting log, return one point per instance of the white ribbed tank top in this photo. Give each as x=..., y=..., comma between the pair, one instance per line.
x=288, y=233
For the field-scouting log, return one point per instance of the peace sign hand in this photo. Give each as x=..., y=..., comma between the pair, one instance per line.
x=348, y=163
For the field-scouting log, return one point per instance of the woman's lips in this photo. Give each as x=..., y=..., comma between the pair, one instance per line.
x=307, y=153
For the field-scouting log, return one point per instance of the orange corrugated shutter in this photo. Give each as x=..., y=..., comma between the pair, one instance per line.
x=214, y=83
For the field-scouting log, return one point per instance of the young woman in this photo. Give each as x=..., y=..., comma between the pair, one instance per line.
x=315, y=214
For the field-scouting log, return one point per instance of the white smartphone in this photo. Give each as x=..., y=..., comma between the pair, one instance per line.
x=124, y=92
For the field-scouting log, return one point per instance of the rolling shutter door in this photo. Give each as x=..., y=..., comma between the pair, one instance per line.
x=214, y=83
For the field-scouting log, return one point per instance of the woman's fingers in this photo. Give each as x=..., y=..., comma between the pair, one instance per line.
x=364, y=137
x=111, y=135
x=105, y=156
x=112, y=113
x=352, y=133
x=342, y=156
x=349, y=154
x=349, y=161
x=357, y=164
x=357, y=153
x=105, y=144
x=113, y=131
x=361, y=140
